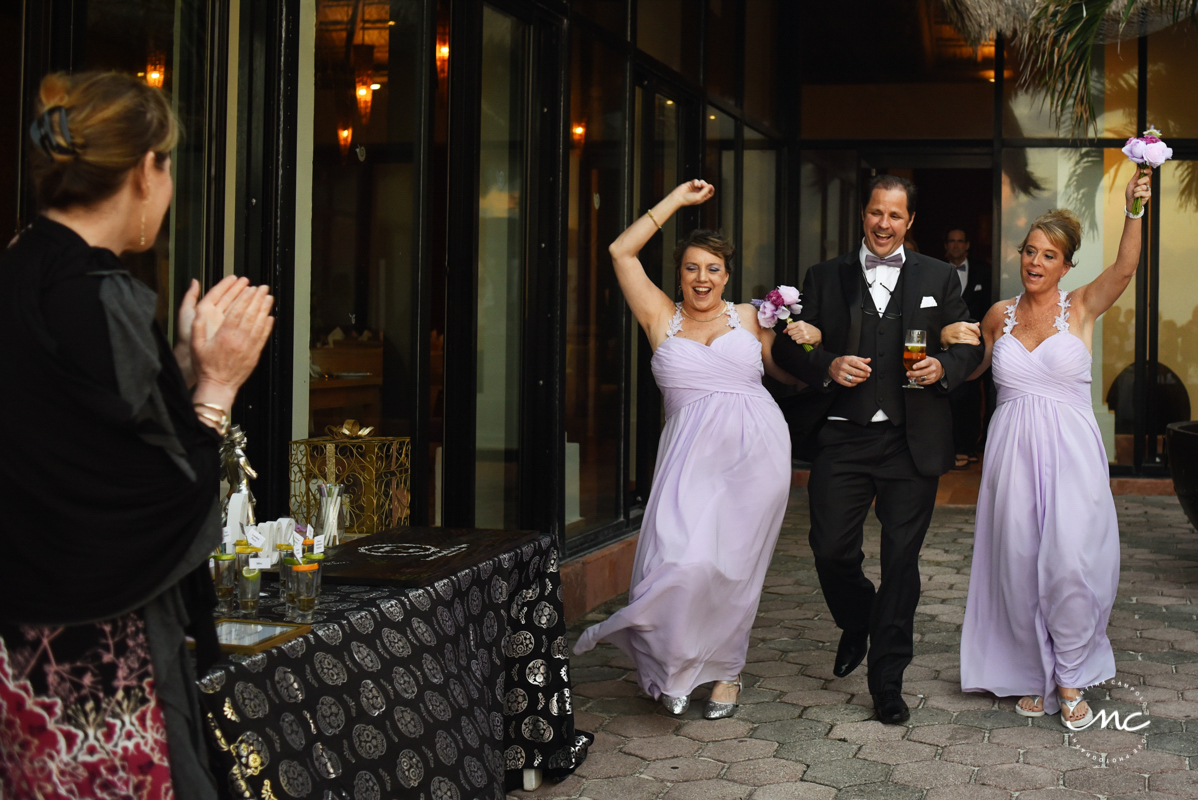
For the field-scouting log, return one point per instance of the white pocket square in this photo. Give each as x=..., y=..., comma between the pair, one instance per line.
x=928, y=302
x=978, y=288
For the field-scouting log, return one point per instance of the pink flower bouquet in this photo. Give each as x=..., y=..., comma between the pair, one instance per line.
x=1148, y=151
x=779, y=304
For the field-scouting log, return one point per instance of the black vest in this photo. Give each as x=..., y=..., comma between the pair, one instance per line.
x=882, y=343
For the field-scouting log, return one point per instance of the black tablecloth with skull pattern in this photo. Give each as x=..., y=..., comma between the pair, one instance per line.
x=433, y=693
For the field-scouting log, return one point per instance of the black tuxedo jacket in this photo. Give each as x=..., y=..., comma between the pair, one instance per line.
x=977, y=289
x=832, y=302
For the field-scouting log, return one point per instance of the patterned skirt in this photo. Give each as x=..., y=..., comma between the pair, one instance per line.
x=78, y=713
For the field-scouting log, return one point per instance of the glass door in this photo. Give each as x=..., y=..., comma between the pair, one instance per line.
x=1173, y=396
x=662, y=159
x=499, y=309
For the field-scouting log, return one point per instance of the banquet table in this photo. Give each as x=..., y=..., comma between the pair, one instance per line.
x=441, y=692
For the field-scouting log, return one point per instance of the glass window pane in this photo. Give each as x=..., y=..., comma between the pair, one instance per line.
x=10, y=97
x=829, y=217
x=1089, y=182
x=757, y=247
x=608, y=13
x=166, y=44
x=936, y=86
x=723, y=26
x=594, y=303
x=1026, y=115
x=1172, y=76
x=1177, y=384
x=719, y=169
x=362, y=226
x=761, y=65
x=667, y=30
x=500, y=273
x=665, y=178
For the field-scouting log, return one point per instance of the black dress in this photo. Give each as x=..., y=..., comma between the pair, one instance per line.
x=109, y=485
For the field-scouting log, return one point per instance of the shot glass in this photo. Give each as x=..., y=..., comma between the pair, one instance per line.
x=283, y=552
x=249, y=589
x=318, y=560
x=287, y=578
x=224, y=577
x=303, y=577
x=244, y=553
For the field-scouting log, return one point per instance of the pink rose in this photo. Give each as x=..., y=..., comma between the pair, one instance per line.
x=1157, y=153
x=1134, y=149
x=767, y=313
x=774, y=297
x=789, y=295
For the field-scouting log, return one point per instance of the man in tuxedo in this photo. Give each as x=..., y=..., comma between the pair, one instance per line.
x=877, y=439
x=967, y=399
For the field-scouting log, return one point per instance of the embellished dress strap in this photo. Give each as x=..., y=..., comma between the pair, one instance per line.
x=675, y=321
x=733, y=317
x=1062, y=321
x=1010, y=315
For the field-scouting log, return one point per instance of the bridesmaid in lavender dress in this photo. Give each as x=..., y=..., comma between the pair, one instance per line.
x=722, y=477
x=1046, y=544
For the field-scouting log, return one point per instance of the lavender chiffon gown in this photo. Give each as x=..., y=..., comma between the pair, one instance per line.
x=720, y=489
x=1046, y=545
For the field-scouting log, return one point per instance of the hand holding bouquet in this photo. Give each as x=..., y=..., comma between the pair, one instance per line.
x=779, y=304
x=1147, y=151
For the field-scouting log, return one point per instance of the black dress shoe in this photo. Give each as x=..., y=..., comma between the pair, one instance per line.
x=891, y=708
x=850, y=652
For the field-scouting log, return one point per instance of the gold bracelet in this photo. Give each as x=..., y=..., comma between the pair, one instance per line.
x=222, y=421
x=655, y=222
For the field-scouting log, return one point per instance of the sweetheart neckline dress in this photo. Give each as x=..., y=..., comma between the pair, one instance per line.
x=720, y=489
x=1046, y=544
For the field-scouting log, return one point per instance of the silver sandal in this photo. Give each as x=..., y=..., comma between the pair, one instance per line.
x=1077, y=724
x=1036, y=699
x=676, y=705
x=718, y=710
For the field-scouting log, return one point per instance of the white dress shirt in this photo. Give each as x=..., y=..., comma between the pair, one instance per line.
x=881, y=280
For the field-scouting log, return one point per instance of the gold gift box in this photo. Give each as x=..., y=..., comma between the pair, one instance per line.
x=374, y=472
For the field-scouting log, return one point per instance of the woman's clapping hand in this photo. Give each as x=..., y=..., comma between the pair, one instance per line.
x=230, y=328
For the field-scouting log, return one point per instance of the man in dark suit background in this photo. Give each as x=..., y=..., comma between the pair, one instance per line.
x=967, y=399
x=877, y=439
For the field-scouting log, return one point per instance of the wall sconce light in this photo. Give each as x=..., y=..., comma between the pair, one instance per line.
x=156, y=70
x=365, y=95
x=442, y=54
x=345, y=135
x=578, y=133
x=364, y=79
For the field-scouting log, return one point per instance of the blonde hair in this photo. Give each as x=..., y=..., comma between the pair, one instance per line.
x=1062, y=228
x=91, y=129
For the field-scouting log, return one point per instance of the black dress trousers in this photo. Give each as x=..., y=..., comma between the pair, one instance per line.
x=855, y=465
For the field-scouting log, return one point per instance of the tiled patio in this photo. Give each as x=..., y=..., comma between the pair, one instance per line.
x=801, y=733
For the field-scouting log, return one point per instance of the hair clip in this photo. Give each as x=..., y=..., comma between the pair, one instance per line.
x=42, y=133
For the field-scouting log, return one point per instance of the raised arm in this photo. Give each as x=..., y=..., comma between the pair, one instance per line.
x=1100, y=294
x=649, y=304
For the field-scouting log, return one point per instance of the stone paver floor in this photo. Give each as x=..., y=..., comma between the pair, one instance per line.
x=801, y=733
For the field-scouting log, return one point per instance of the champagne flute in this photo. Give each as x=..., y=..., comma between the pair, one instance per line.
x=914, y=350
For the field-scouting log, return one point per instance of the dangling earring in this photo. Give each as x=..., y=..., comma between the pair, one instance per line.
x=143, y=221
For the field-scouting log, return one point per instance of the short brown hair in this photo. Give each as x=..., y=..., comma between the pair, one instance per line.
x=891, y=183
x=91, y=129
x=1062, y=228
x=711, y=241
